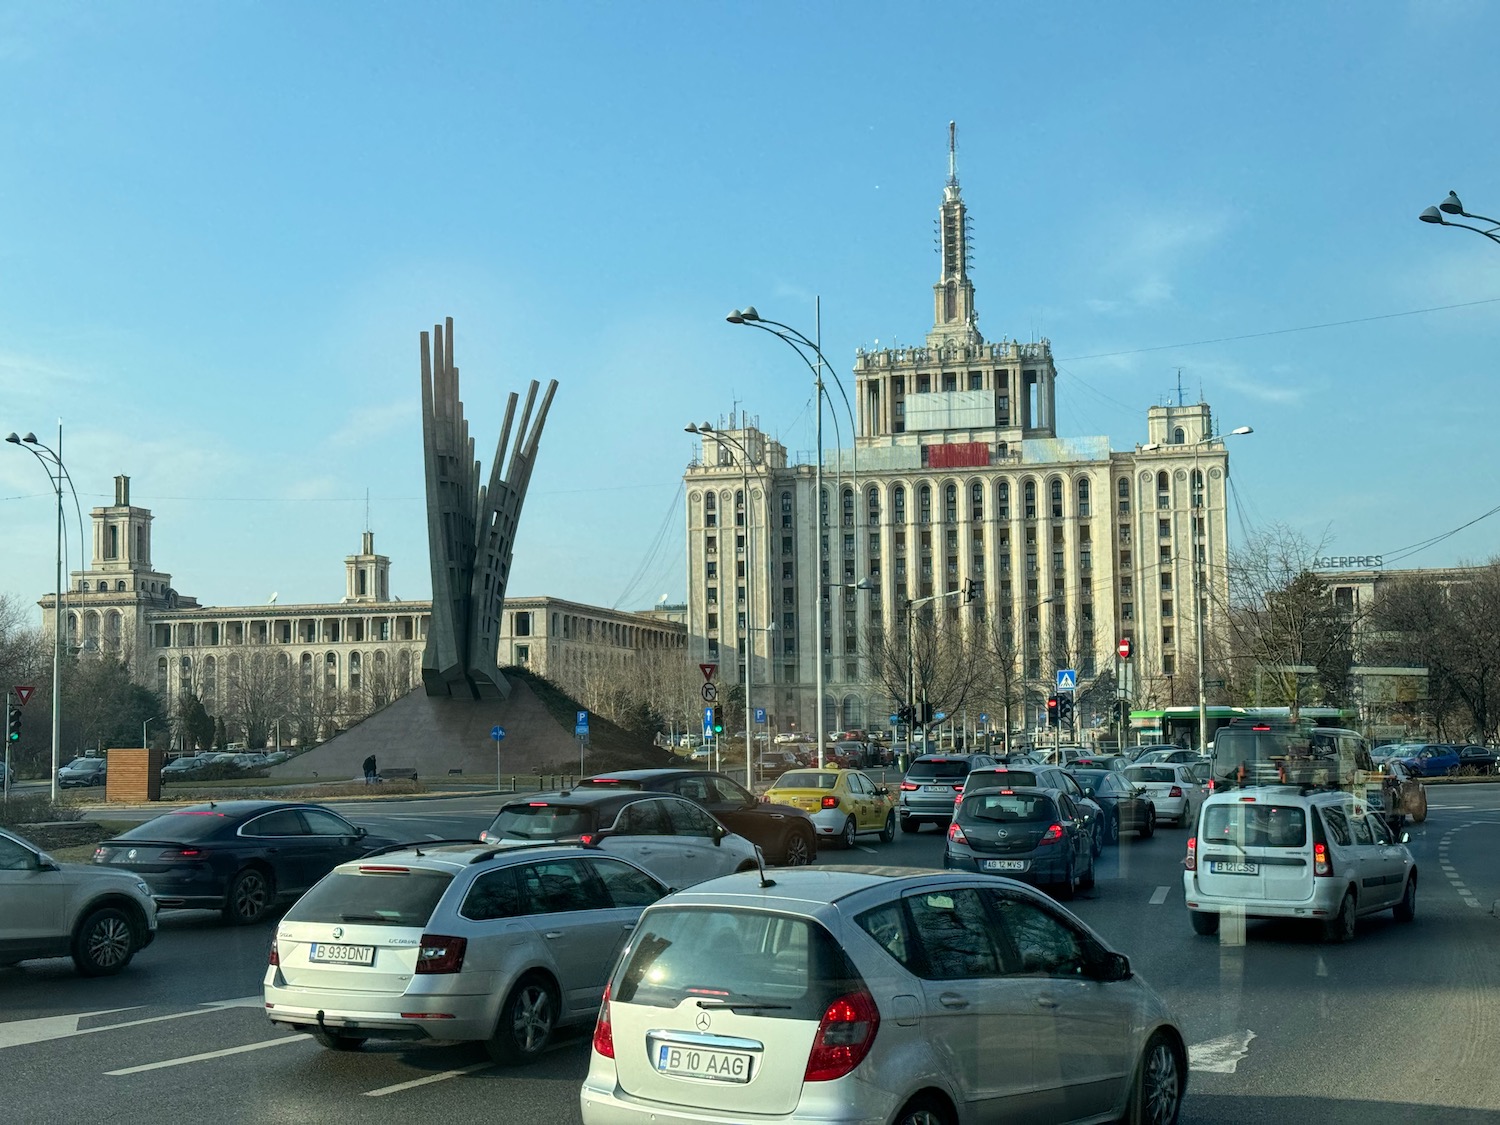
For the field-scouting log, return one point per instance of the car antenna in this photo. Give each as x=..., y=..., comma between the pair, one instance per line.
x=760, y=864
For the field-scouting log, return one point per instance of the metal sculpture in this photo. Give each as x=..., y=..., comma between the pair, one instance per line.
x=471, y=527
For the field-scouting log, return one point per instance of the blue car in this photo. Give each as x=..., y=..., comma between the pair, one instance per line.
x=1434, y=760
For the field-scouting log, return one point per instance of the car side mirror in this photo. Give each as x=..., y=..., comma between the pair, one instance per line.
x=1405, y=836
x=1088, y=790
x=882, y=791
x=1110, y=967
x=360, y=833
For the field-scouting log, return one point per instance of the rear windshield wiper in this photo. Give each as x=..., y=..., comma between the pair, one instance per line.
x=365, y=918
x=743, y=1005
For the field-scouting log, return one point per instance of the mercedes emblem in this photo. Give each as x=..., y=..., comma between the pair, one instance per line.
x=703, y=1021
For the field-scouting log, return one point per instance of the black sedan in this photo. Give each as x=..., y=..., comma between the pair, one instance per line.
x=239, y=857
x=784, y=834
x=1126, y=806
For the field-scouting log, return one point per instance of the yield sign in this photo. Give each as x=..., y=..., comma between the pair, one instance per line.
x=708, y=671
x=24, y=694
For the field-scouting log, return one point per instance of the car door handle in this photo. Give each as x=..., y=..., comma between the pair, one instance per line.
x=627, y=925
x=952, y=1000
x=1046, y=1002
x=553, y=934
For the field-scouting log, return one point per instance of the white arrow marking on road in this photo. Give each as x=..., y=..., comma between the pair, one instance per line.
x=431, y=1078
x=19, y=1033
x=262, y=1045
x=1221, y=1055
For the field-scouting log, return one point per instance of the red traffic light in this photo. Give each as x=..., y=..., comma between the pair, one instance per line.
x=1125, y=648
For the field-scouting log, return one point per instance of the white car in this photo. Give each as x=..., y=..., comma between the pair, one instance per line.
x=882, y=995
x=1177, y=792
x=100, y=916
x=1280, y=851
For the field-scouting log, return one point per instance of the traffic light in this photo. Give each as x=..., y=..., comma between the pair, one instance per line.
x=13, y=725
x=1052, y=710
x=1065, y=709
x=926, y=712
x=716, y=721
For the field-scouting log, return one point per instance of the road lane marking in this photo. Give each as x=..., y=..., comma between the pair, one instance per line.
x=862, y=848
x=1221, y=1055
x=262, y=1045
x=431, y=1078
x=19, y=1033
x=433, y=836
x=1160, y=895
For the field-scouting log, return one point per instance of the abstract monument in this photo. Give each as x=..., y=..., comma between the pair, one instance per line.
x=471, y=527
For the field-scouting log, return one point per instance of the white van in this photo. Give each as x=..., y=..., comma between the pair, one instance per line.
x=1282, y=851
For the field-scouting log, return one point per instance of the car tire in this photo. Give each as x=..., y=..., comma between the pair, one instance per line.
x=1160, y=1079
x=888, y=833
x=104, y=942
x=1406, y=909
x=911, y=826
x=527, y=1020
x=798, y=851
x=846, y=837
x=1096, y=843
x=1149, y=829
x=925, y=1111
x=1205, y=924
x=334, y=1041
x=1340, y=928
x=1112, y=830
x=1087, y=882
x=1069, y=886
x=251, y=893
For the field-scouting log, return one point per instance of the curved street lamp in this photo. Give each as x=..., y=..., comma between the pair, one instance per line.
x=1454, y=206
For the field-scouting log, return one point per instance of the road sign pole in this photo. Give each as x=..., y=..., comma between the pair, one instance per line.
x=6, y=778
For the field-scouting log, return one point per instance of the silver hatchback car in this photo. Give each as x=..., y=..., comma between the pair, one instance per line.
x=876, y=995
x=455, y=942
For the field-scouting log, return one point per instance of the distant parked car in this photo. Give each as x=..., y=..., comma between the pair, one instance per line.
x=82, y=773
x=180, y=769
x=1433, y=760
x=1476, y=760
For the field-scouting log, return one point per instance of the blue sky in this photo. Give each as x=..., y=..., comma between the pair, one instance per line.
x=222, y=228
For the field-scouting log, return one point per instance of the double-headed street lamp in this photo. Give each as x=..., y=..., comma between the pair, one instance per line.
x=802, y=345
x=966, y=591
x=706, y=431
x=1454, y=206
x=52, y=462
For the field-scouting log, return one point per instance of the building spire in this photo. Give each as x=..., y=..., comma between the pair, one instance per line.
x=953, y=296
x=952, y=154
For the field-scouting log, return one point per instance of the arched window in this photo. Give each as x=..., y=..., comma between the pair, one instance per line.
x=331, y=671
x=1057, y=499
x=120, y=585
x=739, y=507
x=307, y=671
x=1163, y=490
x=898, y=502
x=1197, y=479
x=1178, y=437
x=976, y=502
x=1002, y=501
x=924, y=504
x=950, y=503
x=1123, y=489
x=355, y=668
x=709, y=502
x=210, y=692
x=1029, y=493
x=84, y=585
x=161, y=675
x=1083, y=496
x=872, y=502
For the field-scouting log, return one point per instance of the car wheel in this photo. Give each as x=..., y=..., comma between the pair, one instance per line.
x=526, y=1021
x=1096, y=841
x=250, y=897
x=924, y=1111
x=1406, y=909
x=1149, y=828
x=846, y=837
x=1341, y=927
x=335, y=1041
x=1419, y=812
x=1204, y=923
x=1087, y=882
x=1069, y=886
x=798, y=851
x=1112, y=830
x=888, y=833
x=911, y=826
x=1159, y=1082
x=104, y=943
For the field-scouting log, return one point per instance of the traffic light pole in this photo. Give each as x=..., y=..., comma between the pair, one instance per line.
x=11, y=710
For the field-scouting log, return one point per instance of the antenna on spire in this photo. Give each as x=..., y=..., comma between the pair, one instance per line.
x=367, y=510
x=1180, y=399
x=952, y=152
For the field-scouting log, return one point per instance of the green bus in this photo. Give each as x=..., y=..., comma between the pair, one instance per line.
x=1172, y=725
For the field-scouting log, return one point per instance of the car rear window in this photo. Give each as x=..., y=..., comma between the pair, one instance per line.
x=189, y=824
x=792, y=965
x=541, y=821
x=1255, y=826
x=1144, y=775
x=807, y=779
x=608, y=783
x=1008, y=808
x=404, y=897
x=983, y=779
x=943, y=768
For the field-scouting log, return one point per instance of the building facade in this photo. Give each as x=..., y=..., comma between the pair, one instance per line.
x=957, y=482
x=349, y=656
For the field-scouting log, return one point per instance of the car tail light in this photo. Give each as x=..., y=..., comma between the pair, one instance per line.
x=845, y=1035
x=1051, y=836
x=1191, y=862
x=382, y=869
x=604, y=1032
x=1209, y=785
x=1176, y=791
x=101, y=854
x=273, y=957
x=956, y=834
x=830, y=802
x=181, y=853
x=484, y=836
x=1322, y=862
x=437, y=953
x=909, y=787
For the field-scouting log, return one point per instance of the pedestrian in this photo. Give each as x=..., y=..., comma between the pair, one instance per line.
x=370, y=770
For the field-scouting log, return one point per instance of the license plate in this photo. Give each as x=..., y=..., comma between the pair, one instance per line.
x=937, y=788
x=1220, y=867
x=1005, y=865
x=341, y=954
x=694, y=1062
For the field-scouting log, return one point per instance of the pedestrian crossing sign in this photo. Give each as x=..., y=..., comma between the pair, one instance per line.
x=1067, y=679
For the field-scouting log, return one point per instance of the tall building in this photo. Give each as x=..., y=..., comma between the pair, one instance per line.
x=957, y=482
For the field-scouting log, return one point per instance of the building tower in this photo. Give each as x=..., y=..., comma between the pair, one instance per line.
x=367, y=576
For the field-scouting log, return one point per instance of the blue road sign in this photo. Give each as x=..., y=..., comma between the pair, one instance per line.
x=1067, y=679
x=895, y=720
x=760, y=714
x=984, y=719
x=497, y=733
x=940, y=716
x=581, y=726
x=708, y=721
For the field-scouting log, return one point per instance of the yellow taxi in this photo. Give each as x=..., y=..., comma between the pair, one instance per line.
x=842, y=803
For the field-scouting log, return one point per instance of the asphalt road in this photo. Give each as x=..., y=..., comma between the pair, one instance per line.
x=1401, y=1025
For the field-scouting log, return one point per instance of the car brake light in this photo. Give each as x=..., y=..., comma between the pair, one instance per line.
x=437, y=953
x=274, y=956
x=909, y=787
x=604, y=1032
x=1051, y=836
x=1191, y=862
x=1322, y=864
x=382, y=869
x=845, y=1035
x=1007, y=792
x=1176, y=791
x=1209, y=785
x=1259, y=726
x=956, y=834
x=589, y=840
x=830, y=802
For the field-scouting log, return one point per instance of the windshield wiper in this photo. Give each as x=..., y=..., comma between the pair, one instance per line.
x=743, y=1005
x=363, y=918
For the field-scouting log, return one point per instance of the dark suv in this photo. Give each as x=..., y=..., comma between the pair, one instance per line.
x=932, y=785
x=785, y=834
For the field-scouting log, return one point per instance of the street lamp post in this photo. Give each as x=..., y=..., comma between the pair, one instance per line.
x=1454, y=206
x=967, y=592
x=52, y=462
x=797, y=342
x=144, y=725
x=707, y=430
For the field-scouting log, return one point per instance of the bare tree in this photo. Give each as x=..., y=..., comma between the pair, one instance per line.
x=1004, y=687
x=947, y=663
x=258, y=689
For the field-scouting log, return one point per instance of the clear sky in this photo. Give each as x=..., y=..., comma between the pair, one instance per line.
x=222, y=227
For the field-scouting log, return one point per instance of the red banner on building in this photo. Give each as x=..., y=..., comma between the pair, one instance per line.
x=958, y=455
